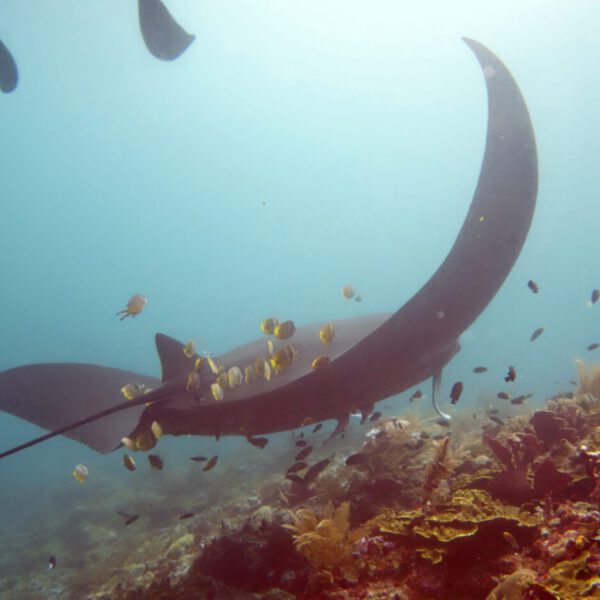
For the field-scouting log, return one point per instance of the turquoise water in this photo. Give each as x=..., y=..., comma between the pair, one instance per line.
x=294, y=148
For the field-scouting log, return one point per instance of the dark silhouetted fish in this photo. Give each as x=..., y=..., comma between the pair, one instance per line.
x=187, y=515
x=298, y=466
x=155, y=461
x=595, y=296
x=51, y=563
x=164, y=37
x=373, y=357
x=259, y=442
x=375, y=416
x=503, y=396
x=418, y=394
x=455, y=392
x=480, y=369
x=355, y=459
x=211, y=463
x=301, y=443
x=9, y=75
x=593, y=346
x=536, y=334
x=511, y=375
x=533, y=286
x=303, y=453
x=198, y=458
x=317, y=427
x=315, y=470
x=496, y=419
x=128, y=519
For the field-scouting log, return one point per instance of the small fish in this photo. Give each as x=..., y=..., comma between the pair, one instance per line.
x=212, y=364
x=268, y=326
x=128, y=462
x=282, y=358
x=211, y=463
x=375, y=416
x=355, y=459
x=128, y=518
x=156, y=429
x=266, y=370
x=217, y=391
x=315, y=470
x=155, y=461
x=348, y=292
x=442, y=423
x=496, y=420
x=128, y=443
x=301, y=443
x=249, y=374
x=480, y=369
x=51, y=563
x=319, y=362
x=511, y=375
x=358, y=299
x=193, y=381
x=317, y=427
x=234, y=377
x=199, y=362
x=455, y=392
x=520, y=399
x=593, y=346
x=134, y=307
x=298, y=466
x=270, y=347
x=132, y=390
x=510, y=538
x=503, y=396
x=80, y=472
x=533, y=286
x=303, y=453
x=285, y=330
x=190, y=349
x=198, y=458
x=536, y=334
x=187, y=515
x=595, y=296
x=259, y=442
x=295, y=478
x=418, y=394
x=327, y=333
x=223, y=380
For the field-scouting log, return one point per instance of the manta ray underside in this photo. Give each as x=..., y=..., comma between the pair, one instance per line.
x=371, y=357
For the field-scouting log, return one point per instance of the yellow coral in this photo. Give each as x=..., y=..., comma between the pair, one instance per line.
x=573, y=579
x=326, y=543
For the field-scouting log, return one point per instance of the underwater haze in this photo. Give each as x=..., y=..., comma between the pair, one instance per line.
x=294, y=148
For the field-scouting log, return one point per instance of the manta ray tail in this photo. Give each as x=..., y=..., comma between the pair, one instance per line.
x=164, y=37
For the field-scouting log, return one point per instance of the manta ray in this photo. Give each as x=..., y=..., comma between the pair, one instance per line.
x=370, y=358
x=163, y=36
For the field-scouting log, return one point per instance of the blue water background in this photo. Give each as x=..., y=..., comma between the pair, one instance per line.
x=294, y=148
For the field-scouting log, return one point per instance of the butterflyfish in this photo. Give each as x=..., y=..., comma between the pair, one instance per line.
x=327, y=333
x=134, y=307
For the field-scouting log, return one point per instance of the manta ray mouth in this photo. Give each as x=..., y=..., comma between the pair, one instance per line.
x=84, y=402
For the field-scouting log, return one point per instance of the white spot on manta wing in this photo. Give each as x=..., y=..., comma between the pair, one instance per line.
x=489, y=72
x=440, y=314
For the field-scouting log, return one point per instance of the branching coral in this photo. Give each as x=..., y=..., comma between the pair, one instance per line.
x=326, y=542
